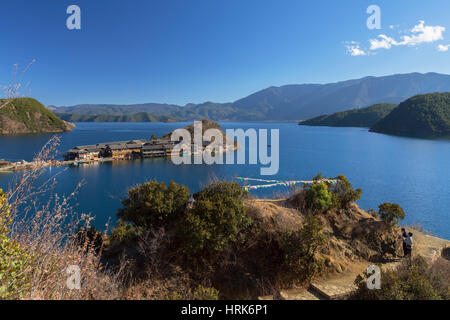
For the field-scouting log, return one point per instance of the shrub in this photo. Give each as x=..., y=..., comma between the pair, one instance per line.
x=88, y=237
x=14, y=260
x=317, y=198
x=412, y=280
x=217, y=218
x=373, y=213
x=205, y=293
x=124, y=232
x=390, y=213
x=154, y=204
x=343, y=193
x=301, y=247
x=199, y=293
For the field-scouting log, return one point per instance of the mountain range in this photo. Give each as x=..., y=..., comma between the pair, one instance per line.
x=288, y=102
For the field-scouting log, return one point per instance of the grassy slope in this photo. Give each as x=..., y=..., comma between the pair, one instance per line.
x=425, y=115
x=27, y=115
x=363, y=117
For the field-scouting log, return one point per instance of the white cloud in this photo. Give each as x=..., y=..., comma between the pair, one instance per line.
x=384, y=42
x=443, y=48
x=353, y=49
x=419, y=34
x=423, y=34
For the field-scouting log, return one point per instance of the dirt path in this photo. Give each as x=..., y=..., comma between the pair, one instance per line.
x=337, y=286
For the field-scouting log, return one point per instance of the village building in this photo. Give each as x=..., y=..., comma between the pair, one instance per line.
x=132, y=149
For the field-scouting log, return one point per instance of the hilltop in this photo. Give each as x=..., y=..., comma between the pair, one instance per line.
x=425, y=115
x=27, y=115
x=288, y=102
x=364, y=117
x=206, y=124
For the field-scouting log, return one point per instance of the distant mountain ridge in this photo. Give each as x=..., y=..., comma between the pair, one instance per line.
x=289, y=102
x=135, y=117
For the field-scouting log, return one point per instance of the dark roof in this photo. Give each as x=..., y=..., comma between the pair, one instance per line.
x=78, y=151
x=136, y=142
x=163, y=142
x=84, y=147
x=134, y=145
x=152, y=147
x=121, y=146
x=116, y=145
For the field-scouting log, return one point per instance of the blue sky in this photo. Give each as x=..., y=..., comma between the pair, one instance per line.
x=180, y=51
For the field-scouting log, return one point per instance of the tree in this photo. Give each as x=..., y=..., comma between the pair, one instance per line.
x=391, y=213
x=153, y=137
x=343, y=193
x=300, y=248
x=317, y=197
x=154, y=204
x=217, y=218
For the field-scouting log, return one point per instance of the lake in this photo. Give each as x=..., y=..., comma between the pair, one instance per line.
x=412, y=172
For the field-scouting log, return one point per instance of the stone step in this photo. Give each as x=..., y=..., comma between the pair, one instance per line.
x=295, y=294
x=299, y=294
x=331, y=290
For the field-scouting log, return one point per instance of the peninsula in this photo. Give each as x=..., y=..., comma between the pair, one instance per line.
x=27, y=115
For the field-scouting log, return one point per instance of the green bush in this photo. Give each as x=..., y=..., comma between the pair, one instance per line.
x=205, y=293
x=14, y=260
x=301, y=247
x=154, y=204
x=125, y=232
x=199, y=293
x=217, y=218
x=391, y=213
x=343, y=193
x=411, y=281
x=373, y=213
x=317, y=198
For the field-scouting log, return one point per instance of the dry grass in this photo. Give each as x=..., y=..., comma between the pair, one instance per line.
x=420, y=228
x=15, y=87
x=44, y=224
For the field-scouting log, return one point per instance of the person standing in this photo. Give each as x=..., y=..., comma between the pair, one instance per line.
x=409, y=245
x=404, y=235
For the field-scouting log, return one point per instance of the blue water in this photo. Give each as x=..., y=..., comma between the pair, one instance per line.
x=412, y=172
